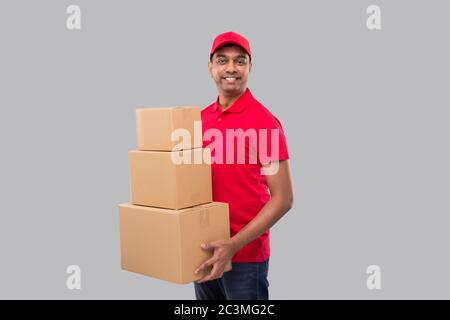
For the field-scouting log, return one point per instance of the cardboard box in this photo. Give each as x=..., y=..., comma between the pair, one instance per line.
x=154, y=127
x=157, y=181
x=165, y=244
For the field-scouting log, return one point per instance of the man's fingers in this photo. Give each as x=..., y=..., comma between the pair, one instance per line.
x=204, y=279
x=209, y=246
x=215, y=274
x=205, y=265
x=204, y=246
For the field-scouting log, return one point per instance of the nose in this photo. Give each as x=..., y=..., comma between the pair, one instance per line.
x=230, y=67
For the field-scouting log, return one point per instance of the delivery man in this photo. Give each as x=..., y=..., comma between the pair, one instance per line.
x=257, y=199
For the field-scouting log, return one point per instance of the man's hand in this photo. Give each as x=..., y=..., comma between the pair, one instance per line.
x=281, y=200
x=224, y=250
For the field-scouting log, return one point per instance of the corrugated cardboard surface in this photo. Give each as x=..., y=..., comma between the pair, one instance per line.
x=158, y=182
x=209, y=224
x=165, y=244
x=154, y=127
x=149, y=242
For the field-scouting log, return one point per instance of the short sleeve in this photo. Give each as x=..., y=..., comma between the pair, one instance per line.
x=272, y=144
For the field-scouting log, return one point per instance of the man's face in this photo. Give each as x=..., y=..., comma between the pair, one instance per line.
x=230, y=67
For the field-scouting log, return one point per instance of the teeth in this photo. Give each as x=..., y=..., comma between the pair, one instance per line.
x=229, y=79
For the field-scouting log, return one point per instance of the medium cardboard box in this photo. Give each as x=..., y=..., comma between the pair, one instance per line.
x=154, y=127
x=158, y=181
x=165, y=244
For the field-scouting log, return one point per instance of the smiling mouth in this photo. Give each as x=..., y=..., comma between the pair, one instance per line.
x=231, y=79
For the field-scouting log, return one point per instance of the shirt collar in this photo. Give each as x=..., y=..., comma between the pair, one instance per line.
x=239, y=105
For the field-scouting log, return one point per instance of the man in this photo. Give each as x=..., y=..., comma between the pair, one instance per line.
x=253, y=210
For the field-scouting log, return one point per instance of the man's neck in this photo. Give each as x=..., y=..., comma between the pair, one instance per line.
x=225, y=101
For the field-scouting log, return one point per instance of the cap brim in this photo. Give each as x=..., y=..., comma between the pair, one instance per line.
x=229, y=42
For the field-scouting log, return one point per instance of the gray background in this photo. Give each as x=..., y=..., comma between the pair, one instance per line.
x=365, y=113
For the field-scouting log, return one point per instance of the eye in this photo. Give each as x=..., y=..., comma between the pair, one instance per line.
x=241, y=61
x=220, y=60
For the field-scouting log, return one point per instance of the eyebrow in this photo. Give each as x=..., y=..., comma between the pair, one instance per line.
x=225, y=56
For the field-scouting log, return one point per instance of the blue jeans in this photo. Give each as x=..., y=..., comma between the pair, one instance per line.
x=246, y=281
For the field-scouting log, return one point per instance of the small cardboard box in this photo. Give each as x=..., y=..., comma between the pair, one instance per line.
x=154, y=128
x=158, y=181
x=165, y=244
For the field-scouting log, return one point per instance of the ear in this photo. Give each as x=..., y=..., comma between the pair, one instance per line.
x=250, y=67
x=209, y=68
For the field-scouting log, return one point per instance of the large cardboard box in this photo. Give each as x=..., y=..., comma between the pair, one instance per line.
x=165, y=244
x=158, y=181
x=154, y=128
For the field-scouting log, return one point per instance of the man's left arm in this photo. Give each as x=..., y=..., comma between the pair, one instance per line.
x=281, y=201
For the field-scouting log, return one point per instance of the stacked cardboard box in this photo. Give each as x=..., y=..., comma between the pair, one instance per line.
x=171, y=211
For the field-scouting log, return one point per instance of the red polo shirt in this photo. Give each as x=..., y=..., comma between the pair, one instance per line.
x=238, y=148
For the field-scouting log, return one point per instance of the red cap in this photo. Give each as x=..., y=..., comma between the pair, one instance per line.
x=230, y=38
